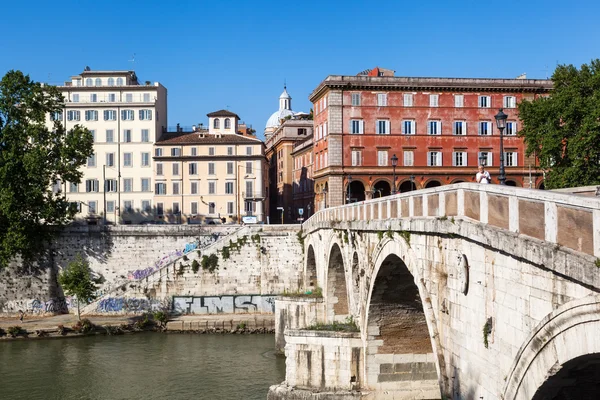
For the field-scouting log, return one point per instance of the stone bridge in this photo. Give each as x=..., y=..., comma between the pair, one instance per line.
x=463, y=291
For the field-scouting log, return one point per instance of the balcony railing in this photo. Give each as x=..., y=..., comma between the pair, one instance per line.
x=105, y=98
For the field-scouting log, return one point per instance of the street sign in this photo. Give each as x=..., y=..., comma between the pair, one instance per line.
x=249, y=219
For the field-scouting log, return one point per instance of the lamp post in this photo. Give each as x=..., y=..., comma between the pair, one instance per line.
x=394, y=163
x=349, y=189
x=501, y=124
x=482, y=158
x=325, y=196
x=412, y=183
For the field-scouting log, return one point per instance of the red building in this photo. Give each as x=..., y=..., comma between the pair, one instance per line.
x=440, y=129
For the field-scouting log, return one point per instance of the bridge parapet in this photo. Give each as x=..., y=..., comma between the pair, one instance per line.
x=563, y=219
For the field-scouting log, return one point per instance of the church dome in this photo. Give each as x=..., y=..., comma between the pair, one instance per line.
x=285, y=110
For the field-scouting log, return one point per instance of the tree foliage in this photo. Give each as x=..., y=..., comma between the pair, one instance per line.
x=563, y=130
x=76, y=280
x=34, y=154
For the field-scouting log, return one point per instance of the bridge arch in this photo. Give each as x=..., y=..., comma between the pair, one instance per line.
x=310, y=269
x=560, y=353
x=336, y=293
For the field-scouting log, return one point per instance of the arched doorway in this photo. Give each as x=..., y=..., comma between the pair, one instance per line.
x=407, y=186
x=510, y=183
x=357, y=192
x=381, y=189
x=398, y=330
x=337, y=294
x=542, y=187
x=432, y=184
x=577, y=379
x=310, y=278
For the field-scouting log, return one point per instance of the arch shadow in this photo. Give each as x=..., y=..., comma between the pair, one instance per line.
x=336, y=295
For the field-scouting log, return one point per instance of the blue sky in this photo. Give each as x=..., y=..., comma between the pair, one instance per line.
x=237, y=54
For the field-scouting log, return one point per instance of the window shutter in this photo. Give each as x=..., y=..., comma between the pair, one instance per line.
x=465, y=160
x=439, y=131
x=480, y=126
x=361, y=126
x=515, y=159
x=454, y=155
x=388, y=129
x=464, y=132
x=490, y=158
x=429, y=127
x=403, y=127
x=429, y=159
x=413, y=126
x=455, y=128
x=439, y=159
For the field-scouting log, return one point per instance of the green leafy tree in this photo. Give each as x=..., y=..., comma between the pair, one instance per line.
x=35, y=154
x=563, y=130
x=76, y=280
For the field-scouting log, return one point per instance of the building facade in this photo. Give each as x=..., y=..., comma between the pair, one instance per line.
x=210, y=175
x=303, y=183
x=439, y=129
x=125, y=118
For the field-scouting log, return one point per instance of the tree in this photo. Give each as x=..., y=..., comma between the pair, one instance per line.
x=76, y=280
x=34, y=156
x=563, y=130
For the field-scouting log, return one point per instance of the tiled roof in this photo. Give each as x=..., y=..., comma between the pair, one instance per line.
x=222, y=113
x=178, y=138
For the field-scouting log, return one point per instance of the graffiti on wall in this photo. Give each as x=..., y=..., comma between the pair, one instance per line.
x=131, y=305
x=36, y=306
x=224, y=304
x=165, y=260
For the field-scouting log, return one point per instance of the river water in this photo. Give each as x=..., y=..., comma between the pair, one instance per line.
x=141, y=366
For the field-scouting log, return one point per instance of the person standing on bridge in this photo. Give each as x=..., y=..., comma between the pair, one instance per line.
x=483, y=176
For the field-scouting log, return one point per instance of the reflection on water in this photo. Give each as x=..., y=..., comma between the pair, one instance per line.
x=141, y=366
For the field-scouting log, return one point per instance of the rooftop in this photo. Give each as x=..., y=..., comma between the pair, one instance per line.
x=202, y=137
x=222, y=113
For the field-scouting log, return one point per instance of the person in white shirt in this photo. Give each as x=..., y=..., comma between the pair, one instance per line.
x=483, y=176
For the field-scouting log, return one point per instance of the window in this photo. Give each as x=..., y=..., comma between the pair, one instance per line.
x=93, y=133
x=127, y=135
x=194, y=151
x=409, y=158
x=145, y=136
x=91, y=185
x=128, y=206
x=93, y=98
x=145, y=115
x=56, y=116
x=112, y=98
x=301, y=131
x=91, y=161
x=228, y=187
x=510, y=102
x=382, y=99
x=158, y=152
x=110, y=206
x=408, y=100
x=510, y=158
x=73, y=115
x=56, y=187
x=211, y=208
x=127, y=159
x=249, y=207
x=211, y=187
x=459, y=128
x=383, y=127
x=249, y=191
x=230, y=151
x=98, y=82
x=356, y=99
x=175, y=187
x=111, y=81
x=248, y=150
x=175, y=152
x=194, y=187
x=193, y=168
x=511, y=128
x=487, y=157
x=227, y=123
x=127, y=115
x=485, y=102
x=248, y=167
x=459, y=100
x=146, y=206
x=434, y=127
x=146, y=97
x=145, y=184
x=89, y=82
x=159, y=169
x=434, y=158
x=128, y=185
x=211, y=168
x=382, y=158
x=110, y=115
x=119, y=81
x=324, y=129
x=145, y=159
x=434, y=100
x=160, y=188
x=485, y=128
x=211, y=151
x=356, y=126
x=230, y=207
x=92, y=207
x=73, y=187
x=356, y=158
x=175, y=169
x=229, y=168
x=110, y=159
x=194, y=207
x=216, y=124
x=91, y=115
x=110, y=136
x=175, y=208
x=408, y=127
x=160, y=209
x=459, y=159
x=128, y=97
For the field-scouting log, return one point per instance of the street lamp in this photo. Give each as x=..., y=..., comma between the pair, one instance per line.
x=394, y=163
x=501, y=124
x=349, y=189
x=482, y=158
x=412, y=183
x=325, y=196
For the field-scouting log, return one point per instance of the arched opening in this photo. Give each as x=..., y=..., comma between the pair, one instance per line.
x=98, y=82
x=119, y=81
x=578, y=378
x=381, y=189
x=397, y=329
x=310, y=279
x=356, y=192
x=89, y=82
x=432, y=184
x=355, y=273
x=407, y=186
x=216, y=123
x=458, y=181
x=510, y=183
x=542, y=187
x=227, y=123
x=111, y=81
x=337, y=294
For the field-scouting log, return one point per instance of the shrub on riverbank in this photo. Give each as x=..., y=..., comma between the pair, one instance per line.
x=83, y=326
x=14, y=331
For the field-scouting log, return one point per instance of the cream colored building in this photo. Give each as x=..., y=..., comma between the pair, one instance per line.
x=210, y=175
x=126, y=119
